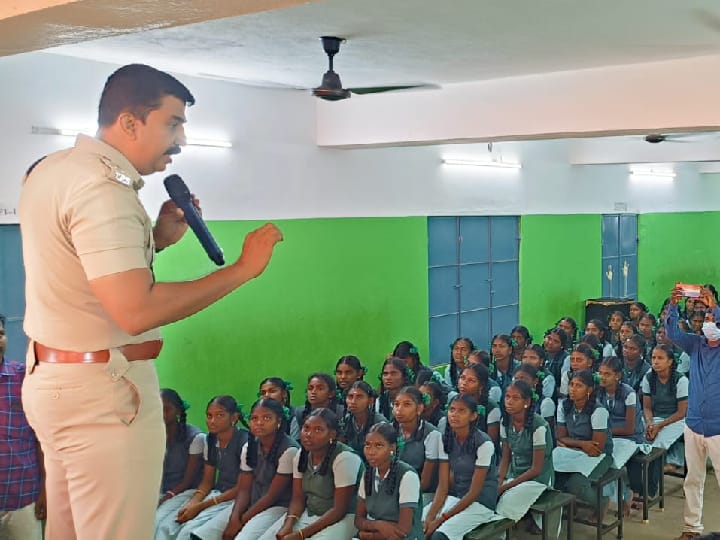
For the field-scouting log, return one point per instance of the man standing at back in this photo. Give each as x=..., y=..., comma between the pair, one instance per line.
x=94, y=308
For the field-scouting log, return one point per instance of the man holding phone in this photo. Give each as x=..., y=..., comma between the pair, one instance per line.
x=702, y=429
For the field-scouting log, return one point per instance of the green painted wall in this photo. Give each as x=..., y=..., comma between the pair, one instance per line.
x=673, y=247
x=334, y=287
x=559, y=268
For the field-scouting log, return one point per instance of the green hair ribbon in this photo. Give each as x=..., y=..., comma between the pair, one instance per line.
x=427, y=398
x=413, y=350
x=541, y=375
x=480, y=409
x=596, y=354
x=409, y=373
x=400, y=443
x=286, y=413
x=514, y=342
x=288, y=385
x=535, y=396
x=596, y=378
x=185, y=405
x=436, y=377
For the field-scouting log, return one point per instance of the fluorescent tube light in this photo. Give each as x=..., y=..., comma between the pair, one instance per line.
x=68, y=132
x=480, y=163
x=652, y=173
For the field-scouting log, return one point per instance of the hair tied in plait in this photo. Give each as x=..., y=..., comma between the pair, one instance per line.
x=535, y=396
x=427, y=399
x=185, y=405
x=596, y=377
x=480, y=409
x=286, y=412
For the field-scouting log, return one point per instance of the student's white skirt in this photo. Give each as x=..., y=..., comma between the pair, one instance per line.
x=253, y=529
x=342, y=530
x=460, y=524
x=516, y=501
x=569, y=460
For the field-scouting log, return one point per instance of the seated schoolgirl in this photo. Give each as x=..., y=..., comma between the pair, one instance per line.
x=521, y=340
x=474, y=383
x=570, y=327
x=557, y=358
x=595, y=345
x=459, y=351
x=394, y=376
x=420, y=439
x=279, y=390
x=348, y=369
x=263, y=486
x=615, y=321
x=627, y=329
x=535, y=356
x=325, y=478
x=434, y=408
x=682, y=359
x=468, y=481
x=626, y=423
x=665, y=394
x=541, y=405
x=526, y=467
x=479, y=356
x=360, y=415
x=502, y=365
x=599, y=329
x=321, y=393
x=636, y=311
x=182, y=466
x=646, y=328
x=634, y=365
x=582, y=429
x=217, y=490
x=408, y=352
x=389, y=496
x=581, y=358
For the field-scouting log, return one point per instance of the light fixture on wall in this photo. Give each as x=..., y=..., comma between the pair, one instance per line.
x=658, y=173
x=67, y=132
x=482, y=163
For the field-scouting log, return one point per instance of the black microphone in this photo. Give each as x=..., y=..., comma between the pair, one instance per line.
x=180, y=194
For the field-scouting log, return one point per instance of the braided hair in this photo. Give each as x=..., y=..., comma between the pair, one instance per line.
x=470, y=446
x=483, y=377
x=370, y=391
x=653, y=376
x=230, y=406
x=508, y=340
x=413, y=393
x=332, y=392
x=452, y=365
x=408, y=352
x=436, y=392
x=388, y=432
x=331, y=421
x=384, y=397
x=272, y=456
x=176, y=401
x=587, y=378
x=354, y=363
x=281, y=384
x=526, y=391
x=532, y=372
x=573, y=324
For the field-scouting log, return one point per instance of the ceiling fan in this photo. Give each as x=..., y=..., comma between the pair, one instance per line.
x=656, y=138
x=331, y=88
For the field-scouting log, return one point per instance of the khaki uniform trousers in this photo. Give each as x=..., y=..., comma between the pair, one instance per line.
x=101, y=430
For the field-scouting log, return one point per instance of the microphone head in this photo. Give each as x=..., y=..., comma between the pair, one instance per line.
x=176, y=188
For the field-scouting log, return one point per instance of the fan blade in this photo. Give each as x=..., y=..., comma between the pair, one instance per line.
x=380, y=89
x=708, y=18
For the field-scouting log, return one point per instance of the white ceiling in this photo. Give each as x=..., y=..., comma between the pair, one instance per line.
x=274, y=42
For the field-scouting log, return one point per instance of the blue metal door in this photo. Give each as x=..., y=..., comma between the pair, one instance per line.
x=12, y=290
x=619, y=255
x=473, y=280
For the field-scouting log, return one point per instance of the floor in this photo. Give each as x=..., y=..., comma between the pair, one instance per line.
x=663, y=525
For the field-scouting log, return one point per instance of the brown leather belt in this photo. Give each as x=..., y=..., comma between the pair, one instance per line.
x=146, y=350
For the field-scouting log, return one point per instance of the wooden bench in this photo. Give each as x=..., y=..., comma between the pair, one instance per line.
x=613, y=475
x=646, y=460
x=551, y=501
x=492, y=530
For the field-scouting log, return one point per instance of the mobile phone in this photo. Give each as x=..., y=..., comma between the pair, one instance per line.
x=689, y=290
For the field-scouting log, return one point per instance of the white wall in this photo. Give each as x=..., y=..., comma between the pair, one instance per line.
x=276, y=170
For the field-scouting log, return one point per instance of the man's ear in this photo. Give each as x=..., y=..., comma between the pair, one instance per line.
x=127, y=123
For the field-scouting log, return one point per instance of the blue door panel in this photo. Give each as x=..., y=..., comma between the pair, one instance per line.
x=503, y=319
x=505, y=283
x=476, y=326
x=611, y=266
x=474, y=240
x=443, y=331
x=474, y=286
x=504, y=238
x=443, y=291
x=628, y=235
x=12, y=290
x=442, y=241
x=629, y=290
x=610, y=232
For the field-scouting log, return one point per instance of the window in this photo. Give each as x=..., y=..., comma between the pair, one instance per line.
x=619, y=255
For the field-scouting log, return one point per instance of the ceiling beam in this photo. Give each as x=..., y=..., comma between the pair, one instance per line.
x=671, y=96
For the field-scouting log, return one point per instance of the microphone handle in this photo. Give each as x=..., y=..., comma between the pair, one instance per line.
x=203, y=234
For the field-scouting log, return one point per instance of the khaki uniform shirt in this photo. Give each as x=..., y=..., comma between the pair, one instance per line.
x=81, y=219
